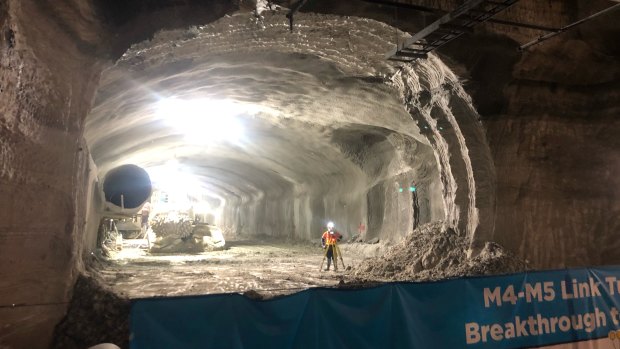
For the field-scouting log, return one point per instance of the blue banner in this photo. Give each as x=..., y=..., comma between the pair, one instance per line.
x=576, y=308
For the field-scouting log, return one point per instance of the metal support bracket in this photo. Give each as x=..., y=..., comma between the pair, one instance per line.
x=447, y=28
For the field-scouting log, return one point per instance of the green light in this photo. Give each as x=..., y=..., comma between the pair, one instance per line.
x=412, y=189
x=400, y=190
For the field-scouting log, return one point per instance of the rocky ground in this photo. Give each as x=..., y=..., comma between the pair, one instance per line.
x=261, y=269
x=434, y=252
x=99, y=309
x=96, y=315
x=265, y=267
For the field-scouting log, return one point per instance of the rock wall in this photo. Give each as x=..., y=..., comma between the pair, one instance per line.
x=551, y=116
x=556, y=197
x=565, y=89
x=379, y=198
x=48, y=75
x=346, y=150
x=558, y=190
x=443, y=112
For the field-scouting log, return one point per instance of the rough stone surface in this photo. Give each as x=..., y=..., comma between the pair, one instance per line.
x=346, y=148
x=559, y=189
x=551, y=118
x=95, y=315
x=45, y=93
x=550, y=112
x=263, y=269
x=435, y=252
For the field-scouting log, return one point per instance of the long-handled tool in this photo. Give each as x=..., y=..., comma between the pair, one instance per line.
x=339, y=255
x=324, y=256
x=335, y=254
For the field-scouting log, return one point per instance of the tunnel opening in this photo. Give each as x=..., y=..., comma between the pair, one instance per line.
x=275, y=138
x=551, y=124
x=284, y=138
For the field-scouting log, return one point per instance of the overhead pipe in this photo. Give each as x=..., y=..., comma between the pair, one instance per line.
x=565, y=28
x=440, y=12
x=126, y=188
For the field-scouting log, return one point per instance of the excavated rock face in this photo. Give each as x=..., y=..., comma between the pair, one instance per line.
x=49, y=67
x=550, y=115
x=551, y=118
x=331, y=129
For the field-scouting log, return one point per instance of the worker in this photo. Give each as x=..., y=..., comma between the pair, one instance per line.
x=328, y=242
x=146, y=210
x=360, y=231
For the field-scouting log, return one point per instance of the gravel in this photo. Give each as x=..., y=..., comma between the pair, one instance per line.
x=96, y=315
x=434, y=252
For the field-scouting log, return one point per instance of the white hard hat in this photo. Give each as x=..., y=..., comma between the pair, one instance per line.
x=330, y=224
x=105, y=346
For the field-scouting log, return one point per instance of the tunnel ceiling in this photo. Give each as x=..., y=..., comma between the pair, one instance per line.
x=307, y=102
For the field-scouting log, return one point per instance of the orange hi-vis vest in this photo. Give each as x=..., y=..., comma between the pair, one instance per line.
x=330, y=239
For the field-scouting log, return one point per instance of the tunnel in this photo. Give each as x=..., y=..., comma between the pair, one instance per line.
x=268, y=123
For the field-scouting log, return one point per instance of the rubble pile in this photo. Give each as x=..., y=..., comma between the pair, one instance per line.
x=95, y=315
x=433, y=252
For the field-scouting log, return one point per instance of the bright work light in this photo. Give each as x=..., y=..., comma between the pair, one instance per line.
x=204, y=120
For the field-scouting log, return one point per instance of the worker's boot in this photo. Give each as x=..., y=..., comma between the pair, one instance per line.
x=329, y=263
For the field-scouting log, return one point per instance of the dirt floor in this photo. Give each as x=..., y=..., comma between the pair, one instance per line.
x=268, y=268
x=260, y=269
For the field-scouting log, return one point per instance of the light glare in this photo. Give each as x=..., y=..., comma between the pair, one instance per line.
x=205, y=121
x=172, y=179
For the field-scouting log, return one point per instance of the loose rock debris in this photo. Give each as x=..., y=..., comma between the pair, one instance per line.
x=95, y=315
x=434, y=252
x=261, y=270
